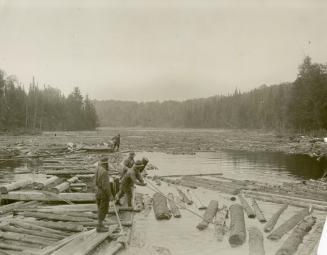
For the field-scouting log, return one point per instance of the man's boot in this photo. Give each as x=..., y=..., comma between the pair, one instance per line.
x=102, y=228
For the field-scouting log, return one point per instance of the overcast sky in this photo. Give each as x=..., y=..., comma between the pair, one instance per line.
x=160, y=49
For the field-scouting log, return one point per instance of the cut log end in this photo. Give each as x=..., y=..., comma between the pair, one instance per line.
x=236, y=240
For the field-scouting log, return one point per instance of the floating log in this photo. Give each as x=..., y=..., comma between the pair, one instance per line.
x=237, y=225
x=209, y=214
x=221, y=186
x=258, y=212
x=138, y=202
x=312, y=240
x=41, y=196
x=273, y=220
x=256, y=242
x=4, y=189
x=41, y=184
x=30, y=232
x=84, y=243
x=173, y=207
x=59, y=225
x=220, y=223
x=25, y=238
x=53, y=216
x=178, y=182
x=181, y=175
x=68, y=172
x=160, y=208
x=281, y=199
x=30, y=226
x=279, y=232
x=64, y=186
x=249, y=211
x=292, y=243
x=184, y=197
x=98, y=149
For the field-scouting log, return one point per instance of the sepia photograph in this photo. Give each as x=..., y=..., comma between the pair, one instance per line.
x=163, y=127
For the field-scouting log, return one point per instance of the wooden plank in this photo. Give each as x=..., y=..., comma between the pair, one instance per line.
x=39, y=196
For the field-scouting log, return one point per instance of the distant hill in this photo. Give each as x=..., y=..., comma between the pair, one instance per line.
x=301, y=104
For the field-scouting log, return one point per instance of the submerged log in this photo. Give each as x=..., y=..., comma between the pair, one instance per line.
x=181, y=175
x=160, y=208
x=4, y=189
x=40, y=196
x=249, y=211
x=184, y=198
x=291, y=200
x=220, y=223
x=256, y=242
x=292, y=243
x=41, y=184
x=279, y=232
x=209, y=214
x=68, y=172
x=258, y=212
x=237, y=234
x=173, y=207
x=177, y=182
x=312, y=240
x=273, y=220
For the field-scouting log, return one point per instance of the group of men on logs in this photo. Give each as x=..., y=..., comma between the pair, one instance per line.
x=130, y=175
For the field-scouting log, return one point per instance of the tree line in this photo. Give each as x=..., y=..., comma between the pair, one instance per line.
x=44, y=108
x=299, y=105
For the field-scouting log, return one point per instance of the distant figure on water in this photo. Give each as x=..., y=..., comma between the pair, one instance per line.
x=103, y=192
x=115, y=142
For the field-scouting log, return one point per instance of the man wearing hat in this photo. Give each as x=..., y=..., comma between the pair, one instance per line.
x=103, y=192
x=131, y=177
x=145, y=161
x=128, y=163
x=115, y=142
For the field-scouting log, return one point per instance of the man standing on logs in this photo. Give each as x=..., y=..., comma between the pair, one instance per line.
x=131, y=177
x=103, y=192
x=115, y=142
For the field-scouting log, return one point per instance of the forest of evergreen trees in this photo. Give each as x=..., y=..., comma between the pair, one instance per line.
x=300, y=105
x=43, y=109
